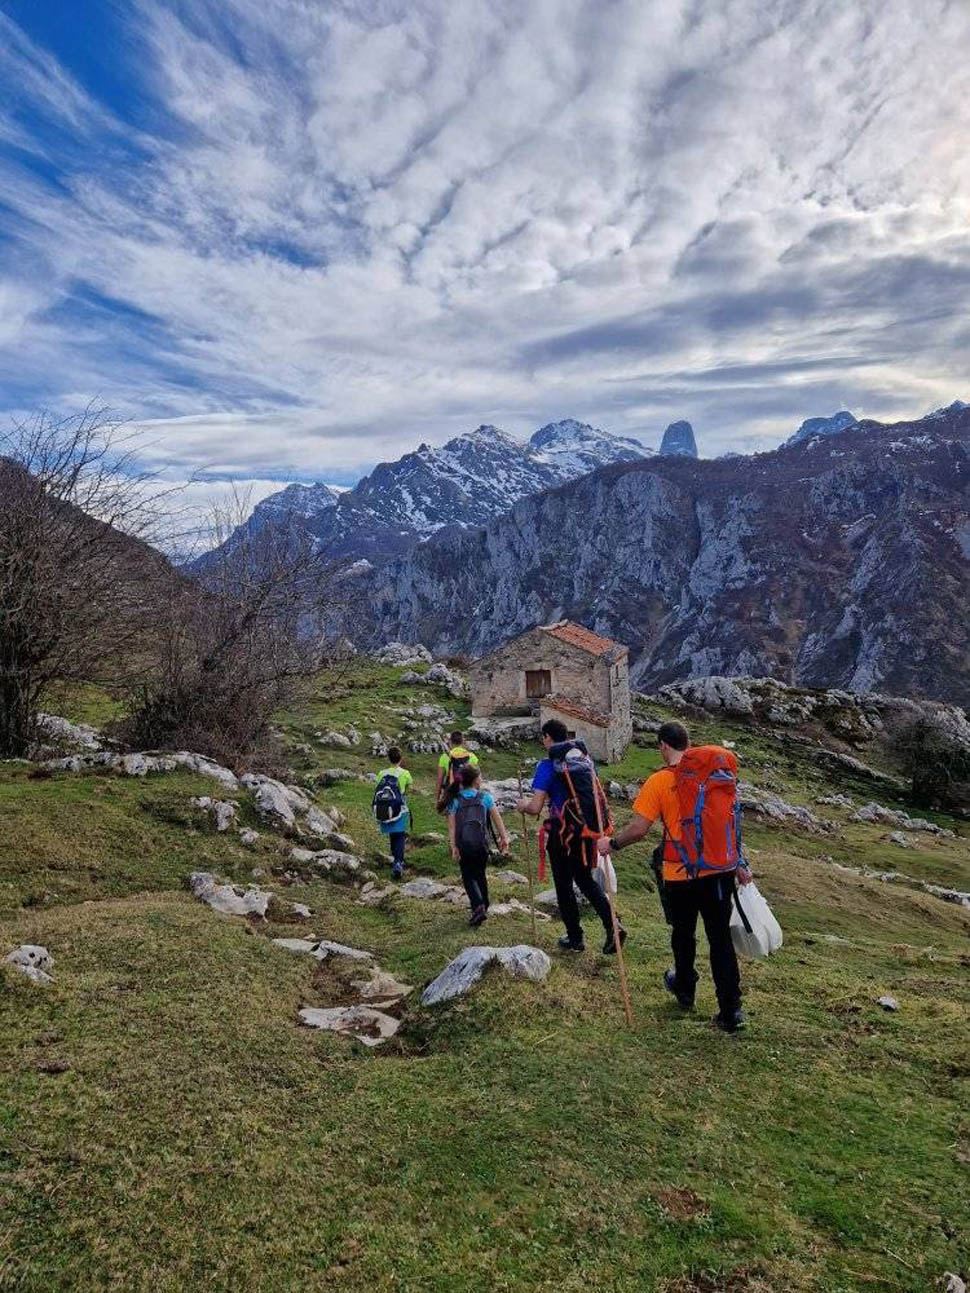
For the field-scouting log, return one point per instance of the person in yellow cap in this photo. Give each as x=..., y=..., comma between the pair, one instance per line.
x=449, y=771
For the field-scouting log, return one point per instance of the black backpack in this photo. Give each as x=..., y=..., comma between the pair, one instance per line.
x=471, y=828
x=585, y=814
x=388, y=802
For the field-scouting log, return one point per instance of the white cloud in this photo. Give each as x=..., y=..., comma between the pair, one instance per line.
x=360, y=225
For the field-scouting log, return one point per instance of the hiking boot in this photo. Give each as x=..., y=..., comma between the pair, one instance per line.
x=569, y=945
x=478, y=917
x=732, y=1022
x=684, y=999
x=609, y=947
x=397, y=870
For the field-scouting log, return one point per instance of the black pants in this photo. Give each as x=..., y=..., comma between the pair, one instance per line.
x=710, y=898
x=398, y=841
x=474, y=879
x=568, y=868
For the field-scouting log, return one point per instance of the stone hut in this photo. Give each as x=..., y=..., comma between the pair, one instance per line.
x=560, y=671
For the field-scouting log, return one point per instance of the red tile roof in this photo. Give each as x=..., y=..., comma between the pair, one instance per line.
x=575, y=635
x=572, y=710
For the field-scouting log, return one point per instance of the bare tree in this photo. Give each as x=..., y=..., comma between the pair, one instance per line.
x=77, y=579
x=260, y=616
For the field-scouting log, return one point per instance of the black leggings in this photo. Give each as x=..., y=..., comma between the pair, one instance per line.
x=474, y=879
x=576, y=866
x=398, y=841
x=709, y=898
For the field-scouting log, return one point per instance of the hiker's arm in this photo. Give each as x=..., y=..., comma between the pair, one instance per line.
x=451, y=836
x=634, y=830
x=534, y=805
x=500, y=831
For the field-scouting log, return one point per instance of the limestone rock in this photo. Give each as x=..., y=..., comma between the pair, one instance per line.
x=873, y=812
x=222, y=811
x=33, y=960
x=521, y=961
x=64, y=733
x=248, y=836
x=335, y=739
x=423, y=887
x=232, y=900
x=372, y=894
x=381, y=986
x=402, y=653
x=511, y=877
x=321, y=948
x=899, y=839
x=953, y=1283
x=273, y=805
x=372, y=1027
x=772, y=807
x=501, y=733
x=888, y=1003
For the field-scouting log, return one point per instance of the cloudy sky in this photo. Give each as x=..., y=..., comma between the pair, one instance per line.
x=294, y=237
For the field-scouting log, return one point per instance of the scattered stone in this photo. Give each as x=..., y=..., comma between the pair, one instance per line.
x=248, y=836
x=333, y=776
x=549, y=902
x=835, y=801
x=273, y=805
x=222, y=811
x=301, y=909
x=873, y=812
x=512, y=907
x=334, y=863
x=953, y=1283
x=372, y=894
x=33, y=960
x=231, y=900
x=511, y=877
x=888, y=1003
x=403, y=653
x=772, y=807
x=205, y=768
x=522, y=962
x=334, y=738
x=899, y=839
x=372, y=1027
x=381, y=986
x=423, y=887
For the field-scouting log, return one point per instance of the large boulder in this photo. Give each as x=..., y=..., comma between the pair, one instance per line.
x=231, y=900
x=521, y=962
x=33, y=960
x=61, y=732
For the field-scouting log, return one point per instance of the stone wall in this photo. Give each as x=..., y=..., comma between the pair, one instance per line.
x=497, y=682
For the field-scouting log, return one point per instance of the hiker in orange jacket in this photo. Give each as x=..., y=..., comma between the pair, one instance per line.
x=686, y=896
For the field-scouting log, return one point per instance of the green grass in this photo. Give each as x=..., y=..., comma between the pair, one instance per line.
x=522, y=1138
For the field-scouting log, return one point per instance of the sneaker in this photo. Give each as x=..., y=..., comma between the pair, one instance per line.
x=567, y=944
x=478, y=917
x=609, y=947
x=732, y=1022
x=397, y=871
x=670, y=983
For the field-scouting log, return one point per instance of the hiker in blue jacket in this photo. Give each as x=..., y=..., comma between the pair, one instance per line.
x=391, y=807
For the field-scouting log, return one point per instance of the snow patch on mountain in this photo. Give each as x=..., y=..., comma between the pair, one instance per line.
x=574, y=448
x=840, y=421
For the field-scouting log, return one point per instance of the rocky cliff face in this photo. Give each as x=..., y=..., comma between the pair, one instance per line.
x=840, y=561
x=678, y=441
x=823, y=426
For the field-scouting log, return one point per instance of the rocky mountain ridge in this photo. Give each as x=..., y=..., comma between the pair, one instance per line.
x=841, y=561
x=465, y=483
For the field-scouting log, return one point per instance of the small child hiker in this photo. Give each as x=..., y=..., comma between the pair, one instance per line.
x=390, y=807
x=471, y=817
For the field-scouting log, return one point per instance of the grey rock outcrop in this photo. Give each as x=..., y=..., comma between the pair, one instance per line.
x=33, y=960
x=364, y=1023
x=521, y=962
x=229, y=899
x=678, y=441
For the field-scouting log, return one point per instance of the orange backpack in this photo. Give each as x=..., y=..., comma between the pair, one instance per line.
x=710, y=812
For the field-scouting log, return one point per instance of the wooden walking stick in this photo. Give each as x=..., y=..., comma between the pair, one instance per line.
x=528, y=867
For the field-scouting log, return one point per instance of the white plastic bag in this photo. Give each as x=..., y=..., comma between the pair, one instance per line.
x=604, y=875
x=764, y=935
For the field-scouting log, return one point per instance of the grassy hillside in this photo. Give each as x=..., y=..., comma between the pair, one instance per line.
x=166, y=1124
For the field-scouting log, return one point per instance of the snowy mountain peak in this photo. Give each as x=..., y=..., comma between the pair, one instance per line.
x=574, y=448
x=678, y=441
x=840, y=421
x=956, y=407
